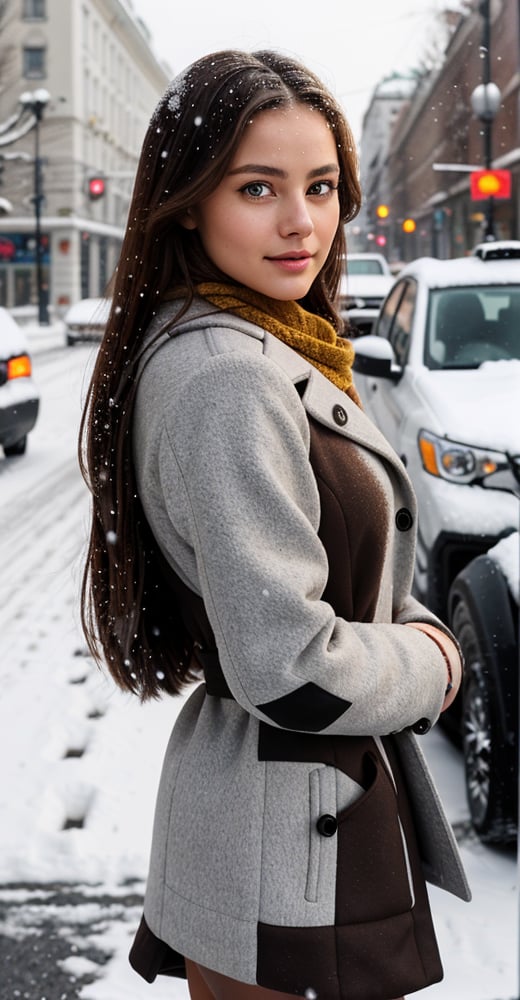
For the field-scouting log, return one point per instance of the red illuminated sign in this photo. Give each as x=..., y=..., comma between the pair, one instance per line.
x=490, y=184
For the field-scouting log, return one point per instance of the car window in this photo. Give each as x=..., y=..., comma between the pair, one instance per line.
x=364, y=266
x=402, y=325
x=471, y=325
x=385, y=320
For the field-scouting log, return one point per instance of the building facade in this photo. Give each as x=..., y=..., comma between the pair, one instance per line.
x=95, y=60
x=437, y=140
x=379, y=119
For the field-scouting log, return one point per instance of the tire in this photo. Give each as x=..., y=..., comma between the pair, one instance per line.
x=18, y=448
x=489, y=770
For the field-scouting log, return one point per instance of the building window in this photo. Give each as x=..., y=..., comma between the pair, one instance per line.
x=34, y=62
x=34, y=10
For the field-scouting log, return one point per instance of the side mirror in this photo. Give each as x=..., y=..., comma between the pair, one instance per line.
x=375, y=356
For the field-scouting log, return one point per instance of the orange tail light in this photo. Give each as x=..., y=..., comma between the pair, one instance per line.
x=19, y=367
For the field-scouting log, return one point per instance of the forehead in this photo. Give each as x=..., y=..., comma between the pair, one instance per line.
x=293, y=130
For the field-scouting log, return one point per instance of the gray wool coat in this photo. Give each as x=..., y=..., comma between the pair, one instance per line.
x=296, y=813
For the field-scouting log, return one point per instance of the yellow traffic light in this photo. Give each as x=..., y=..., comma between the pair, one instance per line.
x=382, y=211
x=409, y=226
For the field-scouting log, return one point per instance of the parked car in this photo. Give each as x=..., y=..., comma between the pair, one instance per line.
x=366, y=281
x=86, y=320
x=497, y=250
x=441, y=378
x=19, y=396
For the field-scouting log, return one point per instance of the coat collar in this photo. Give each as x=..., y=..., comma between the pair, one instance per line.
x=320, y=397
x=328, y=404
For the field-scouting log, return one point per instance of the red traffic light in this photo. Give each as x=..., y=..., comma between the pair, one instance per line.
x=490, y=184
x=96, y=188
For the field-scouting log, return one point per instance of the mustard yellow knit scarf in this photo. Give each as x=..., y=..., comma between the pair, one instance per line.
x=310, y=335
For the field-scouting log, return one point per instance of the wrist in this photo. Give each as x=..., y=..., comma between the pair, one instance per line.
x=441, y=640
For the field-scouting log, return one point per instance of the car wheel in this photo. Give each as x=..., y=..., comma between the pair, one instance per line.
x=486, y=757
x=18, y=448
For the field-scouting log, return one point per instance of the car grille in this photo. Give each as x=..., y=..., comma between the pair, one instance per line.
x=373, y=302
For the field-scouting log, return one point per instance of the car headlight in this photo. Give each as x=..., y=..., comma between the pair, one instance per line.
x=460, y=463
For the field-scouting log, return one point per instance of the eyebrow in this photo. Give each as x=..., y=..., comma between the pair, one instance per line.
x=259, y=168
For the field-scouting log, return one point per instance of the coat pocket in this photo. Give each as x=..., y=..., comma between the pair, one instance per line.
x=374, y=875
x=330, y=790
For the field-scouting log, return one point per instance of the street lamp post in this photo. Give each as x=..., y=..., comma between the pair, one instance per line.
x=36, y=102
x=485, y=102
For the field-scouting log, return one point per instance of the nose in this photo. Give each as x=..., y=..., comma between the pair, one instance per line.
x=295, y=218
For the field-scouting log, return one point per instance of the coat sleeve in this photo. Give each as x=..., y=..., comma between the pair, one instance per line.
x=238, y=486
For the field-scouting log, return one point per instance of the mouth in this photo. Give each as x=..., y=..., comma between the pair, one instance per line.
x=291, y=262
x=291, y=255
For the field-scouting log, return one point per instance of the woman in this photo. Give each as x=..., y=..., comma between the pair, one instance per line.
x=253, y=530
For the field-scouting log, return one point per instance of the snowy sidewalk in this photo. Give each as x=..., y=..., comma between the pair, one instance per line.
x=44, y=338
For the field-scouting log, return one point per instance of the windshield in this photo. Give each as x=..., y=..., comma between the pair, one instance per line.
x=467, y=326
x=368, y=266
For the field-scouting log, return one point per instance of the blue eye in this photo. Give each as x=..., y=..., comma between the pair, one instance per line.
x=256, y=189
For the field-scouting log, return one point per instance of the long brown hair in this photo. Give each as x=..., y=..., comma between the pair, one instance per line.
x=128, y=612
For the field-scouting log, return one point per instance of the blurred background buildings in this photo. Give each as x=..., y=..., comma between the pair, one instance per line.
x=422, y=138
x=86, y=69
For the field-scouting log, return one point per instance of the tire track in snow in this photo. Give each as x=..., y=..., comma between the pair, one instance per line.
x=39, y=546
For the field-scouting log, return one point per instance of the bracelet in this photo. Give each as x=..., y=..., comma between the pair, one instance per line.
x=426, y=631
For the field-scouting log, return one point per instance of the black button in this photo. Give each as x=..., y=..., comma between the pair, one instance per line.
x=403, y=519
x=421, y=727
x=340, y=415
x=327, y=825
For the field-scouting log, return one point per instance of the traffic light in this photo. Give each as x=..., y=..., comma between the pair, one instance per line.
x=409, y=226
x=96, y=188
x=382, y=211
x=490, y=184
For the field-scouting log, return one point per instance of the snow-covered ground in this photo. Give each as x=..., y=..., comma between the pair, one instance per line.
x=80, y=760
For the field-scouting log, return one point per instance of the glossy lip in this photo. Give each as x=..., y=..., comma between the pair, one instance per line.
x=294, y=261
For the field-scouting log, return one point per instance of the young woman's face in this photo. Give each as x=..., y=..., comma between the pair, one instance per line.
x=271, y=221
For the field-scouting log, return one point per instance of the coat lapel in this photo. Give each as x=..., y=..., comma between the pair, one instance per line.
x=322, y=398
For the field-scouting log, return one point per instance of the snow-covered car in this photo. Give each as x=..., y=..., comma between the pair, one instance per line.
x=86, y=320
x=19, y=396
x=441, y=377
x=364, y=284
x=497, y=250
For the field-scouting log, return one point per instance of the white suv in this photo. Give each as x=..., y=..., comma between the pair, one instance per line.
x=441, y=378
x=364, y=284
x=19, y=396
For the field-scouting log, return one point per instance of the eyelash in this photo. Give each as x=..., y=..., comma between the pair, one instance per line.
x=245, y=189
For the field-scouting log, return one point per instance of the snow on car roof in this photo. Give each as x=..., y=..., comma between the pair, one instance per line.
x=88, y=311
x=12, y=337
x=463, y=271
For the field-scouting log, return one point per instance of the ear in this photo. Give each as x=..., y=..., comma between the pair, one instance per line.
x=187, y=220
